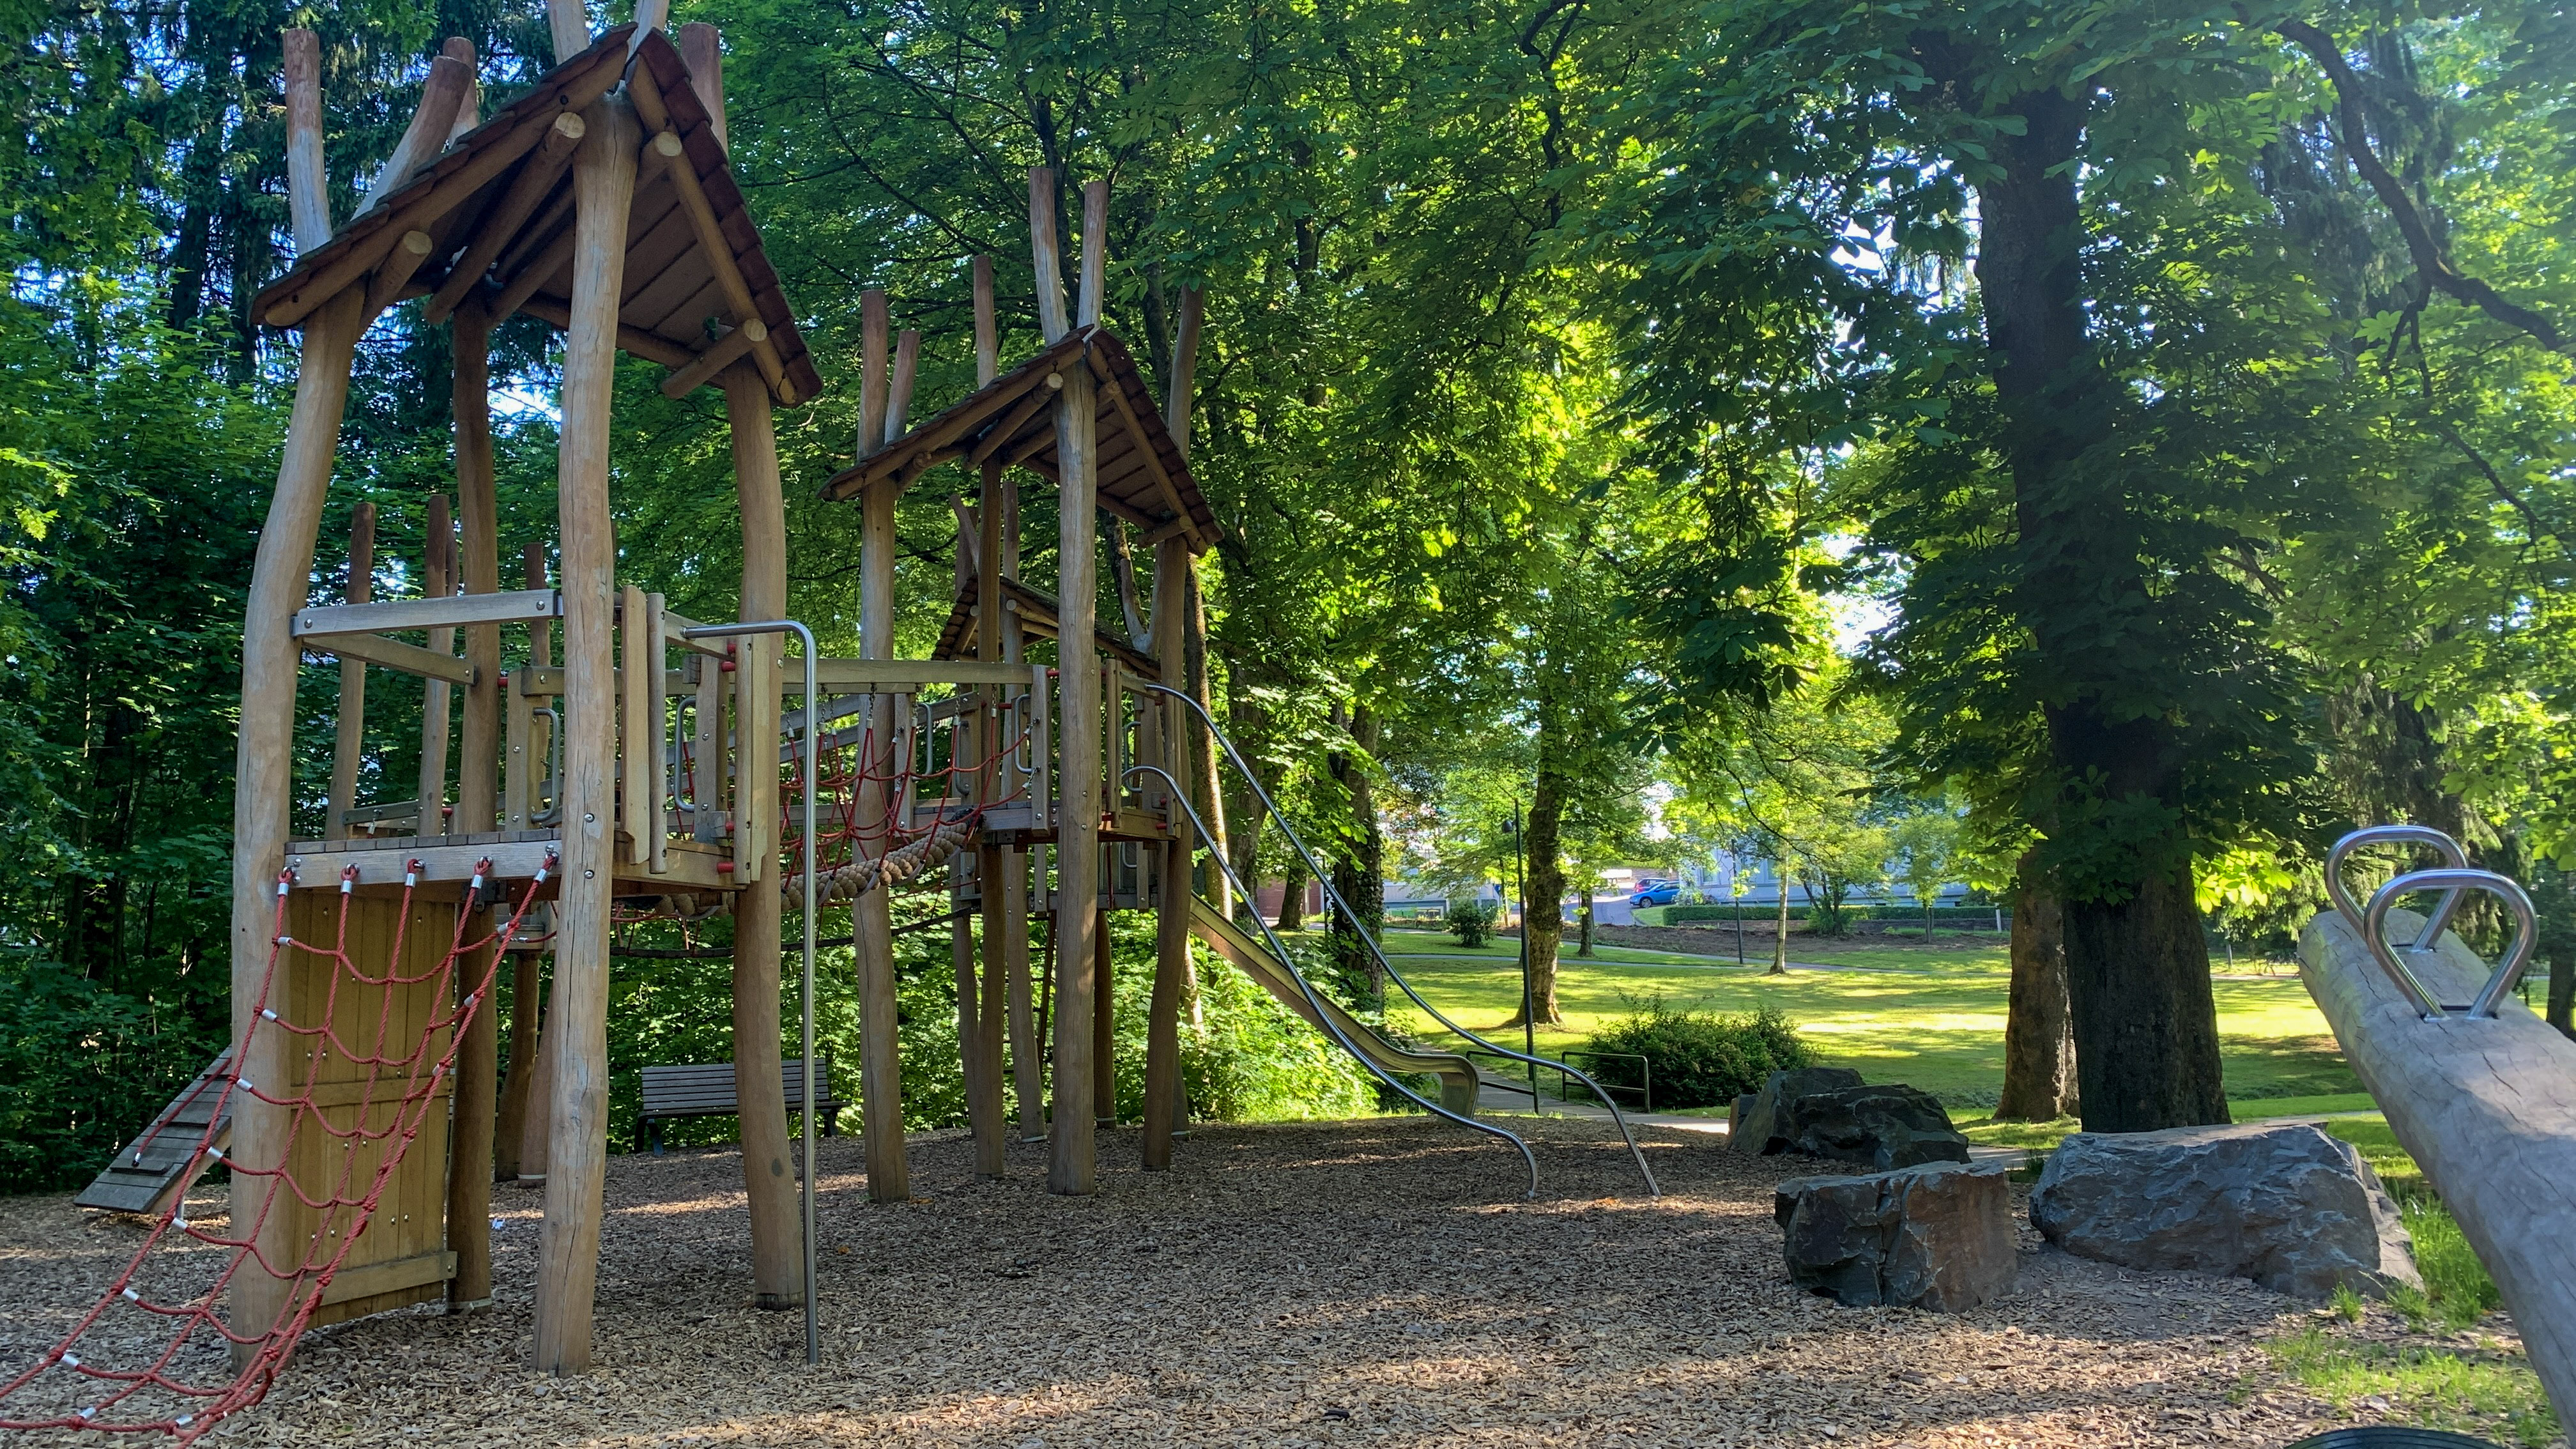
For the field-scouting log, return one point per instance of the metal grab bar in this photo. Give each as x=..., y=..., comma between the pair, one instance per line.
x=1315, y=1003
x=2341, y=894
x=1324, y=879
x=2508, y=969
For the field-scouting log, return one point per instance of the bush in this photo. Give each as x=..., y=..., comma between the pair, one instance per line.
x=1696, y=1059
x=1471, y=921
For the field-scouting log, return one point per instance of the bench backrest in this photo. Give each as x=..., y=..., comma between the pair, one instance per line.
x=707, y=1089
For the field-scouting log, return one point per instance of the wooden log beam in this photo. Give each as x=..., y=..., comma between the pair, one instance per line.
x=1095, y=253
x=720, y=354
x=431, y=121
x=629, y=339
x=673, y=154
x=1172, y=966
x=478, y=796
x=395, y=272
x=349, y=729
x=637, y=759
x=907, y=362
x=1154, y=469
x=1185, y=366
x=397, y=656
x=880, y=1073
x=568, y=23
x=308, y=184
x=2487, y=1106
x=1072, y=1160
x=988, y=340
x=1052, y=324
x=499, y=227
x=577, y=1041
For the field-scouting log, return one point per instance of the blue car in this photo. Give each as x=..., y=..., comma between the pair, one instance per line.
x=1657, y=893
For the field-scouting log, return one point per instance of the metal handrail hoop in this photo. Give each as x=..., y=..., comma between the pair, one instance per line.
x=1323, y=878
x=2509, y=968
x=2450, y=850
x=1315, y=1003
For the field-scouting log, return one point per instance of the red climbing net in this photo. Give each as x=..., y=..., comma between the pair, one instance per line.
x=134, y=1379
x=932, y=761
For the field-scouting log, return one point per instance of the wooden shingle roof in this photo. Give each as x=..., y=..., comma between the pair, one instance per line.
x=504, y=174
x=1142, y=476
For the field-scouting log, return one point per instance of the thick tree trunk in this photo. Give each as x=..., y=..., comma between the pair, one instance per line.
x=1583, y=925
x=1543, y=904
x=1292, y=896
x=2146, y=1026
x=2039, y=1028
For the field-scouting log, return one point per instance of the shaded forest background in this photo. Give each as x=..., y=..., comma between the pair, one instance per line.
x=2140, y=435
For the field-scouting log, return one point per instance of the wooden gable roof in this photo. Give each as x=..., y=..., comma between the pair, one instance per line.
x=499, y=201
x=1035, y=610
x=1142, y=476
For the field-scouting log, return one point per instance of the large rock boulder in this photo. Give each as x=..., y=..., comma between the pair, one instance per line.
x=1826, y=1112
x=2282, y=1203
x=1937, y=1237
x=1751, y=1126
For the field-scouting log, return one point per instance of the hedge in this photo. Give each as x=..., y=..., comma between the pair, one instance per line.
x=1968, y=916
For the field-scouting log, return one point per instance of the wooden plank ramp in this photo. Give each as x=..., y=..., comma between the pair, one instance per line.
x=151, y=1172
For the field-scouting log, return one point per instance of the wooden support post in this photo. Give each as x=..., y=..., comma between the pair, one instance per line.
x=702, y=52
x=639, y=696
x=1072, y=1159
x=1049, y=261
x=1172, y=968
x=568, y=21
x=768, y=1164
x=263, y=789
x=1104, y=1019
x=440, y=96
x=478, y=761
x=520, y=1136
x=438, y=581
x=349, y=740
x=979, y=1001
x=308, y=185
x=1095, y=253
x=478, y=1067
x=577, y=1038
x=872, y=923
x=988, y=340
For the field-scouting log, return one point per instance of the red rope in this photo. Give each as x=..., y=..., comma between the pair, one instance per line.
x=346, y=1206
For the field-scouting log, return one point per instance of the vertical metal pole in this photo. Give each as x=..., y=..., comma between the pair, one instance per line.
x=1529, y=997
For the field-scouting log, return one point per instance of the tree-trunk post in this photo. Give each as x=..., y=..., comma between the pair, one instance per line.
x=769, y=1180
x=1172, y=910
x=1072, y=1157
x=520, y=1137
x=577, y=1039
x=470, y=1153
x=349, y=734
x=263, y=771
x=438, y=581
x=871, y=916
x=1104, y=1021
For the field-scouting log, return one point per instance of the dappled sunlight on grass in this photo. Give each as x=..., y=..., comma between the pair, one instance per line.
x=1937, y=1022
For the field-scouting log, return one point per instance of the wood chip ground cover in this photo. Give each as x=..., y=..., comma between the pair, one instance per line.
x=1361, y=1283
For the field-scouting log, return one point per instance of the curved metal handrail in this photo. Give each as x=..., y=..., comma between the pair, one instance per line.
x=2341, y=894
x=1324, y=879
x=1314, y=1002
x=2509, y=968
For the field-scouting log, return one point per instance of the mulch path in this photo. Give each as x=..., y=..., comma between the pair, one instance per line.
x=1376, y=1282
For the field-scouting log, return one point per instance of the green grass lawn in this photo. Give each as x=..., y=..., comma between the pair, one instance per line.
x=1932, y=1018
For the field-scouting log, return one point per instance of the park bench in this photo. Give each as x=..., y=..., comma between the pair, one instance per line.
x=706, y=1090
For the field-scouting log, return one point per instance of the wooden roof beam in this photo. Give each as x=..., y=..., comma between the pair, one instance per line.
x=629, y=339
x=528, y=190
x=719, y=355
x=440, y=96
x=1145, y=449
x=667, y=148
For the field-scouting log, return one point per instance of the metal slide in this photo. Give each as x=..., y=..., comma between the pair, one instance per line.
x=1333, y=900
x=1457, y=1074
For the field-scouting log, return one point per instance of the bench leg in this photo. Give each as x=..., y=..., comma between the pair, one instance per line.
x=653, y=1129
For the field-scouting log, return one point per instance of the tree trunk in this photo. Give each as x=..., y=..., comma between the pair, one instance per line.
x=2146, y=1025
x=1359, y=871
x=1543, y=899
x=1583, y=925
x=1780, y=927
x=2562, y=993
x=2039, y=1033
x=1292, y=896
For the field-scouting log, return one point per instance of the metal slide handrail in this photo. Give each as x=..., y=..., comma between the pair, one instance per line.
x=1324, y=879
x=1314, y=1002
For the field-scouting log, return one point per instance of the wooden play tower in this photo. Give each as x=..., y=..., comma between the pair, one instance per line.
x=642, y=769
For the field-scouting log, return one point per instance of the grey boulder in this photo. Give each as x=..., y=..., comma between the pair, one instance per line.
x=2285, y=1204
x=1751, y=1127
x=1884, y=1128
x=1938, y=1236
